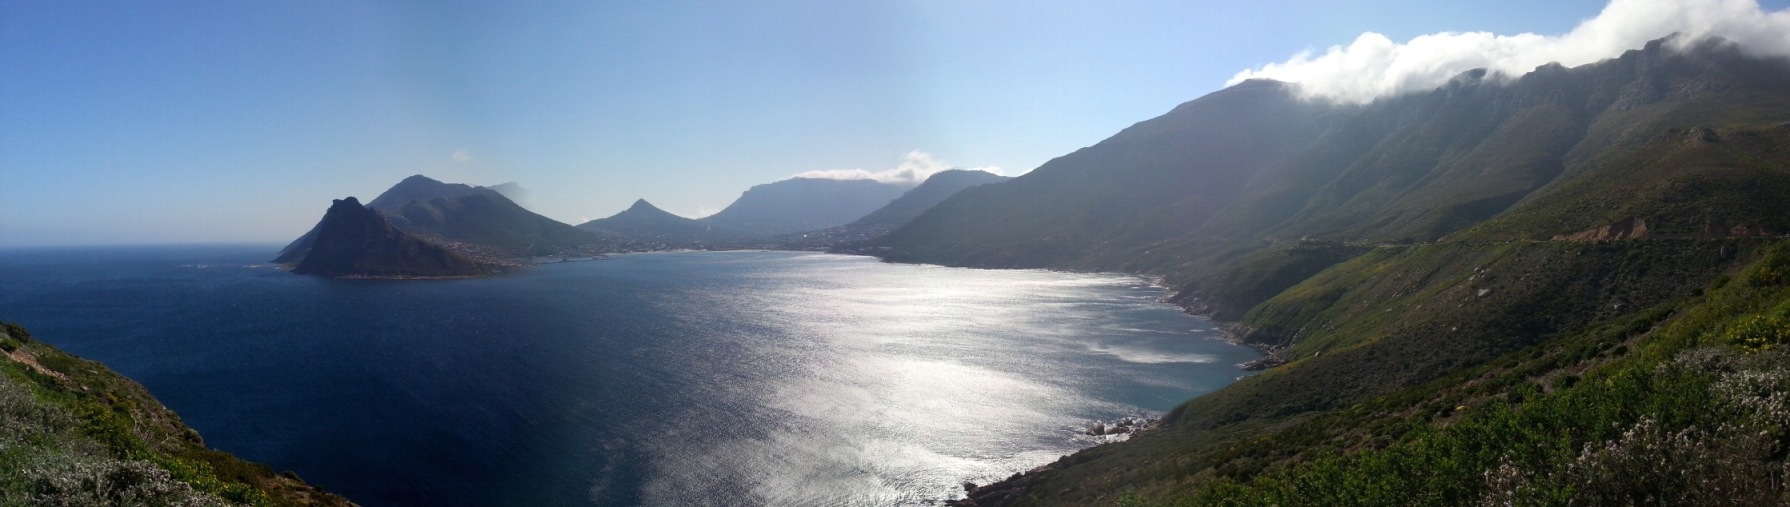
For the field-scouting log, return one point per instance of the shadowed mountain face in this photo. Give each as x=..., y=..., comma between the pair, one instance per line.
x=486, y=218
x=645, y=222
x=802, y=204
x=1157, y=179
x=849, y=237
x=1252, y=163
x=353, y=240
x=934, y=190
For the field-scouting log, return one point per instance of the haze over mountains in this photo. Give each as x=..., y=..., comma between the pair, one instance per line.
x=482, y=224
x=645, y=222
x=910, y=205
x=803, y=204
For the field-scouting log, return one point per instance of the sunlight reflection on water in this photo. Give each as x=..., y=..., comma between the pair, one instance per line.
x=902, y=382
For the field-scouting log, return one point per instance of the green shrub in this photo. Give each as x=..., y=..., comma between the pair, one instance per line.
x=16, y=331
x=1759, y=333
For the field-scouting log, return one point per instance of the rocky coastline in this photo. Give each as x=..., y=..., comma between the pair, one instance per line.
x=1007, y=491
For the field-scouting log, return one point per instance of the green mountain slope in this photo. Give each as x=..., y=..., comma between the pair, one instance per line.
x=1443, y=274
x=73, y=432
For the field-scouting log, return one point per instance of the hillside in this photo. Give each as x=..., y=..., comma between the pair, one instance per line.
x=1439, y=274
x=77, y=433
x=802, y=204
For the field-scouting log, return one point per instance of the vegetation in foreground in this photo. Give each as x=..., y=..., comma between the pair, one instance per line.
x=74, y=433
x=1683, y=402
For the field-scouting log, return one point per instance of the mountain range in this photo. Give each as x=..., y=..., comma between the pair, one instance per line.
x=483, y=227
x=785, y=214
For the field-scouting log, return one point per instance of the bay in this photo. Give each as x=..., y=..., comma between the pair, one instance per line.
x=723, y=378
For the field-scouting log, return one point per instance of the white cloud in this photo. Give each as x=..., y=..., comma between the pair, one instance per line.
x=462, y=156
x=914, y=169
x=1374, y=66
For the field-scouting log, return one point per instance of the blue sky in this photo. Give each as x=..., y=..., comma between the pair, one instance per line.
x=158, y=122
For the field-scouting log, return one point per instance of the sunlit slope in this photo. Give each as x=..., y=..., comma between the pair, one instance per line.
x=1672, y=402
x=73, y=432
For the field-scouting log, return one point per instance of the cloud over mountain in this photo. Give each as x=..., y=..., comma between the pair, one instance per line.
x=914, y=169
x=1375, y=66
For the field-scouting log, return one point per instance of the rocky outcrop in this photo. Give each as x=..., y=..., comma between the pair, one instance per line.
x=1627, y=228
x=356, y=241
x=1634, y=228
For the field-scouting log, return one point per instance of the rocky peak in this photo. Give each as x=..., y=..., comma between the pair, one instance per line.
x=357, y=241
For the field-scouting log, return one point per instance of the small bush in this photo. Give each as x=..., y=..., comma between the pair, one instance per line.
x=17, y=332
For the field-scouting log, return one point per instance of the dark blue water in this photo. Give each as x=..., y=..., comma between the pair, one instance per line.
x=768, y=378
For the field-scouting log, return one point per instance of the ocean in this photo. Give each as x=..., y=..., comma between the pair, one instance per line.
x=720, y=378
